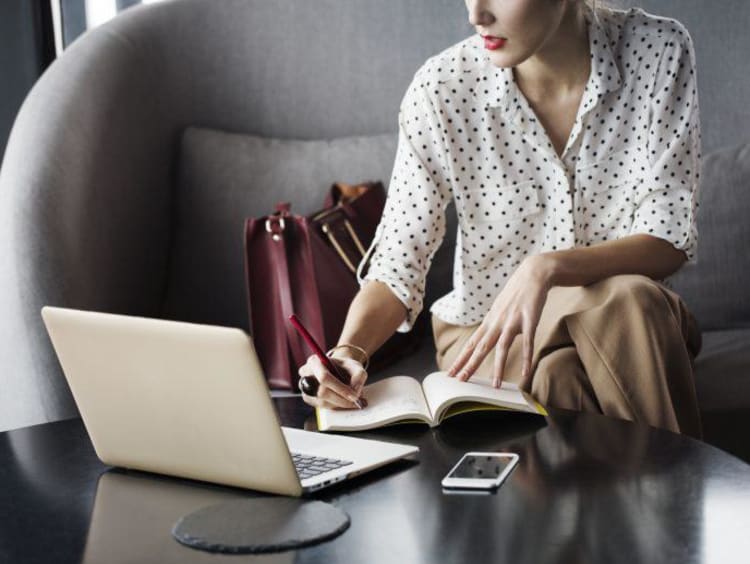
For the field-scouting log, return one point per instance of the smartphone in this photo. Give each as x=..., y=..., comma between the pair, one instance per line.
x=480, y=470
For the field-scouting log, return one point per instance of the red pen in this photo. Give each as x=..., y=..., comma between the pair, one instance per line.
x=310, y=383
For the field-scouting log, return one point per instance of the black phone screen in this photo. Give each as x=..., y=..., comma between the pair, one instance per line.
x=481, y=467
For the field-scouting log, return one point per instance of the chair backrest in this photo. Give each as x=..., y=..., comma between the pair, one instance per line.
x=90, y=174
x=721, y=41
x=87, y=185
x=433, y=29
x=715, y=289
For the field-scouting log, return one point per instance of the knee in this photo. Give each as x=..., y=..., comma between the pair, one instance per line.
x=633, y=284
x=556, y=379
x=635, y=292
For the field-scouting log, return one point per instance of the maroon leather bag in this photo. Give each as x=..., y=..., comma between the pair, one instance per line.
x=307, y=265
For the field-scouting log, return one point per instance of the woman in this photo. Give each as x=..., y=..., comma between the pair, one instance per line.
x=568, y=139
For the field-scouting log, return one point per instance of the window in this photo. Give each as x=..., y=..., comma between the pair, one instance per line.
x=71, y=18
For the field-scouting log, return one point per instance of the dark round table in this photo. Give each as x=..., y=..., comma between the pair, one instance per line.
x=587, y=489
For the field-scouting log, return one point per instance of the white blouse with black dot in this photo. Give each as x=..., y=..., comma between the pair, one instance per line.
x=468, y=136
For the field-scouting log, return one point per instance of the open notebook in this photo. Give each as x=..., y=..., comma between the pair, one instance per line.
x=402, y=399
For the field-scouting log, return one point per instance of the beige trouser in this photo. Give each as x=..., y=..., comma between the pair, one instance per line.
x=623, y=346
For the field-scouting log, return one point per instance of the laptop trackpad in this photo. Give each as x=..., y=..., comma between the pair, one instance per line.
x=260, y=525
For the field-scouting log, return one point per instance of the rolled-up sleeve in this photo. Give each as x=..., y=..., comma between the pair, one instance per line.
x=412, y=226
x=667, y=208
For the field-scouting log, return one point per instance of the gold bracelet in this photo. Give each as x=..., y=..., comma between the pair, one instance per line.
x=365, y=364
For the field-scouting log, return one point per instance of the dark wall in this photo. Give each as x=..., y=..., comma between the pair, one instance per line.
x=25, y=51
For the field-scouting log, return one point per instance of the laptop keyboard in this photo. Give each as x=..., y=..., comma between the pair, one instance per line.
x=308, y=465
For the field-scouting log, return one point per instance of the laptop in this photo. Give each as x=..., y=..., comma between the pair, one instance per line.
x=191, y=400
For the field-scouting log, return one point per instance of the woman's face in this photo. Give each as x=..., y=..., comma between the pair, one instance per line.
x=526, y=26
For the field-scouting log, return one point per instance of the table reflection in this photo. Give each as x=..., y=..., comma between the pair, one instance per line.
x=134, y=514
x=611, y=492
x=587, y=489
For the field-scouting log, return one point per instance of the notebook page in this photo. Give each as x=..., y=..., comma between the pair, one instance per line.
x=440, y=389
x=391, y=399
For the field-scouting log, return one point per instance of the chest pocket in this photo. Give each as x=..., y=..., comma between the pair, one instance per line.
x=497, y=221
x=500, y=204
x=609, y=191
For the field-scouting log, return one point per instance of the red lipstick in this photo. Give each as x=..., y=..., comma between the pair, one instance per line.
x=493, y=43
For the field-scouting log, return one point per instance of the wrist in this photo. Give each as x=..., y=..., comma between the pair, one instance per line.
x=544, y=267
x=344, y=353
x=348, y=350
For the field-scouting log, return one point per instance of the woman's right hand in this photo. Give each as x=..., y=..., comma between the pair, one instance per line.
x=332, y=393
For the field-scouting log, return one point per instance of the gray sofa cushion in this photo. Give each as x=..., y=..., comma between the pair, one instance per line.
x=716, y=288
x=721, y=370
x=222, y=177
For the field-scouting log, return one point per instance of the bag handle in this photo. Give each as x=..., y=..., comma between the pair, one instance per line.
x=326, y=228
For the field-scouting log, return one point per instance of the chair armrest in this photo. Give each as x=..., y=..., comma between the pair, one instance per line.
x=84, y=211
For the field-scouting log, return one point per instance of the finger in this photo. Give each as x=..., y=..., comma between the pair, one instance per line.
x=359, y=374
x=480, y=352
x=501, y=354
x=332, y=400
x=461, y=358
x=528, y=352
x=329, y=382
x=305, y=370
x=325, y=377
x=315, y=362
x=312, y=367
x=321, y=403
x=340, y=363
x=466, y=351
x=311, y=400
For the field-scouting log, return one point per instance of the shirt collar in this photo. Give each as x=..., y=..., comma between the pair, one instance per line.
x=497, y=88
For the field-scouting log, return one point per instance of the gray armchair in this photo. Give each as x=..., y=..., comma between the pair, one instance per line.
x=138, y=153
x=90, y=174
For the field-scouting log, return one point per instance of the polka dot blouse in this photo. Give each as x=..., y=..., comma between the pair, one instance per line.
x=468, y=136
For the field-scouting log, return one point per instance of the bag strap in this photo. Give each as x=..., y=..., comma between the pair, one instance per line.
x=276, y=226
x=313, y=310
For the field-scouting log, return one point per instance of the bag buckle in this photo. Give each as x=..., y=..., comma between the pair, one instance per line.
x=275, y=228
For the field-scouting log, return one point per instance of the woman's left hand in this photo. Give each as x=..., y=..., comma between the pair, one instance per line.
x=516, y=310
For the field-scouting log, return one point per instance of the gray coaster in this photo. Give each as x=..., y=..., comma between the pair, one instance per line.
x=259, y=525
